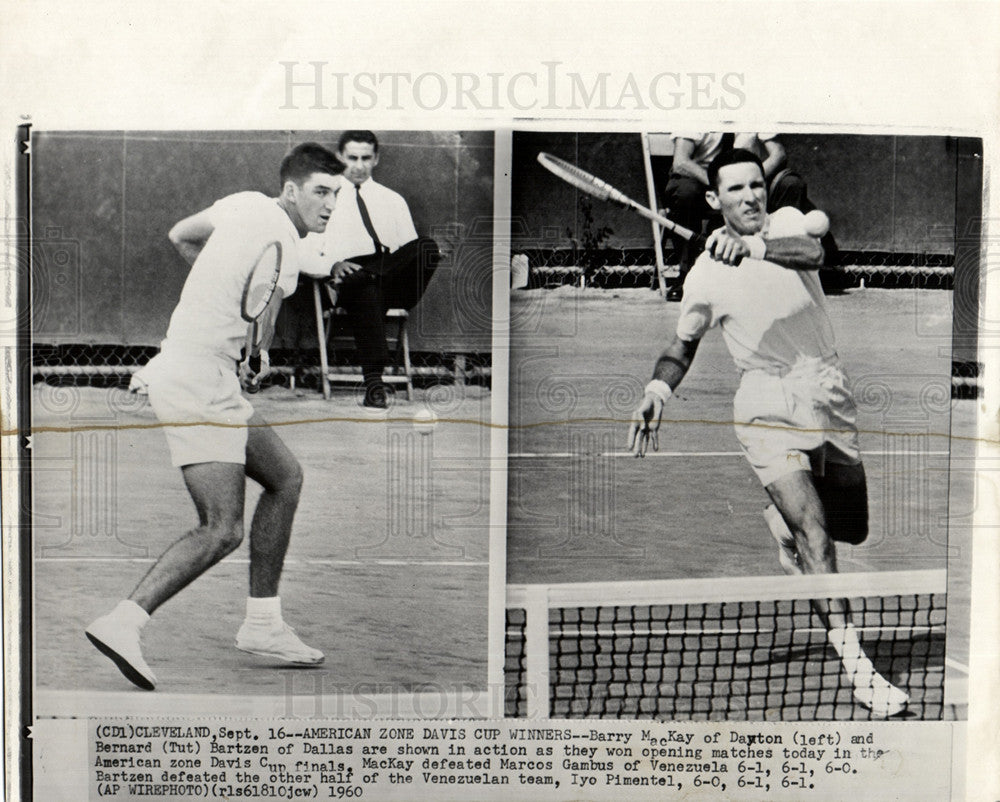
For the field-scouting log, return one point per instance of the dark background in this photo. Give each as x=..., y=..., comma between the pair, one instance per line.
x=892, y=194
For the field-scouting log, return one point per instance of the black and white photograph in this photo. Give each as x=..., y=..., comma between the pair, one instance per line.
x=670, y=288
x=260, y=382
x=552, y=401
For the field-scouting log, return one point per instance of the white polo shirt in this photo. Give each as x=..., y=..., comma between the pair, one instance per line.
x=207, y=317
x=771, y=317
x=346, y=235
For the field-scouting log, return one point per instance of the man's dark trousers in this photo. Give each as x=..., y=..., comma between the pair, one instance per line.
x=386, y=281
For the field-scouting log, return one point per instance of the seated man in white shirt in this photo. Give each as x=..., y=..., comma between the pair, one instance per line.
x=373, y=256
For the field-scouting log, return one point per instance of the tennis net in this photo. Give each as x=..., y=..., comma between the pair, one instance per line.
x=721, y=649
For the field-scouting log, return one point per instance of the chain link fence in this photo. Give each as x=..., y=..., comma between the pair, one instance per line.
x=635, y=268
x=99, y=365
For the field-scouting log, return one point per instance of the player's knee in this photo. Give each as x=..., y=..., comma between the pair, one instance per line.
x=224, y=537
x=291, y=481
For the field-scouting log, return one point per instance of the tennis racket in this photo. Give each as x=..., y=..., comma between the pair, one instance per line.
x=259, y=290
x=602, y=190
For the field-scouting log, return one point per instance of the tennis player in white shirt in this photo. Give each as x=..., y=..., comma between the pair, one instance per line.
x=795, y=415
x=214, y=435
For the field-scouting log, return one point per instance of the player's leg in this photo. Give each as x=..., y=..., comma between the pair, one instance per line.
x=796, y=497
x=217, y=489
x=272, y=465
x=788, y=553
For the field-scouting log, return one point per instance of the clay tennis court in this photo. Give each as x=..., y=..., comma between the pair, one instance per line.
x=386, y=572
x=582, y=510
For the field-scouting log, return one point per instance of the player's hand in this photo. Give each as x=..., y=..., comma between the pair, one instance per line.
x=726, y=247
x=342, y=270
x=645, y=428
x=253, y=370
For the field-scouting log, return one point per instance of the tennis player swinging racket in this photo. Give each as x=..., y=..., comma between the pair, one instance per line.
x=240, y=251
x=794, y=412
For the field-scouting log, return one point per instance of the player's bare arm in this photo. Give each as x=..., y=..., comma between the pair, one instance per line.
x=670, y=370
x=795, y=253
x=190, y=235
x=683, y=164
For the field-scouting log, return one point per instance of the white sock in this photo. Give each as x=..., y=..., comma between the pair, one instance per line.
x=130, y=613
x=264, y=612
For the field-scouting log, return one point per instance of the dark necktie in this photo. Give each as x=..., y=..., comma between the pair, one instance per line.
x=367, y=220
x=728, y=140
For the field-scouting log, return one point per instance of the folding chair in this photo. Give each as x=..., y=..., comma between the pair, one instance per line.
x=324, y=328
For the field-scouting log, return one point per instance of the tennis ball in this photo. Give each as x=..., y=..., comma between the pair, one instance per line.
x=817, y=223
x=424, y=421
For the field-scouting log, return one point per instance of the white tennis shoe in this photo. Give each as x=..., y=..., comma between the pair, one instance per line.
x=279, y=642
x=120, y=642
x=871, y=689
x=881, y=697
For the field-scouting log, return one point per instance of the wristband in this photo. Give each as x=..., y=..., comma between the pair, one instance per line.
x=660, y=389
x=756, y=244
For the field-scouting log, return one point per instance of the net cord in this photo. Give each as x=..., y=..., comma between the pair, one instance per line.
x=707, y=591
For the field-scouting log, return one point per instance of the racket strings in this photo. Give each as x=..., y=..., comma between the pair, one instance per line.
x=581, y=179
x=261, y=283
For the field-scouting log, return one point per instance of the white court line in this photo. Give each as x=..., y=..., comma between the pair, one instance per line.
x=623, y=454
x=246, y=561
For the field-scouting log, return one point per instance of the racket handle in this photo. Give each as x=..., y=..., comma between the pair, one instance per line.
x=669, y=225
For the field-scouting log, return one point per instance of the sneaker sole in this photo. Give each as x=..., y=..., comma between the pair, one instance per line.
x=284, y=658
x=133, y=676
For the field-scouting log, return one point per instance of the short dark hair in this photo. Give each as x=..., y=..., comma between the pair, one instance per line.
x=365, y=137
x=304, y=160
x=724, y=159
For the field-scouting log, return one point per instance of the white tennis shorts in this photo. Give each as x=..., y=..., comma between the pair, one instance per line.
x=197, y=399
x=796, y=421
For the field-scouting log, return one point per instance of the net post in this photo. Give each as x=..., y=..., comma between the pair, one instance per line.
x=536, y=650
